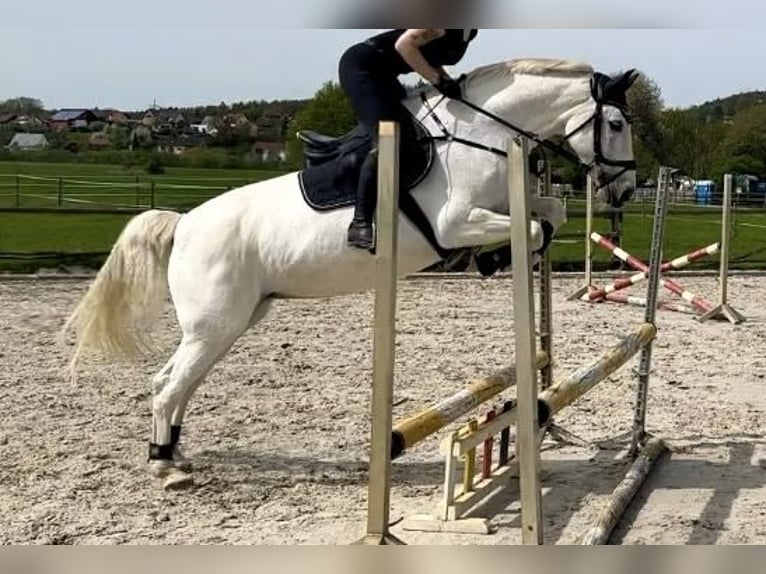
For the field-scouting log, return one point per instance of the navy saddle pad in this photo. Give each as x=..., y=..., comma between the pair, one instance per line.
x=332, y=165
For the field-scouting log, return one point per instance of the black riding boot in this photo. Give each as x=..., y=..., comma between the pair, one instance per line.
x=361, y=233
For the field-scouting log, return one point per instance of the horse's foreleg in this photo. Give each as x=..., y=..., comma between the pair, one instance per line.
x=485, y=227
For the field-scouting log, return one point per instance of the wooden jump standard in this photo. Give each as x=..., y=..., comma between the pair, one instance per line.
x=528, y=362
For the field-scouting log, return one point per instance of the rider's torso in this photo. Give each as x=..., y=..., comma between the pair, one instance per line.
x=445, y=51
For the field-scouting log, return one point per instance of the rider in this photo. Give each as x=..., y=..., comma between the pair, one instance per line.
x=369, y=76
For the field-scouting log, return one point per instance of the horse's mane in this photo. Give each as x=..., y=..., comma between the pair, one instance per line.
x=532, y=66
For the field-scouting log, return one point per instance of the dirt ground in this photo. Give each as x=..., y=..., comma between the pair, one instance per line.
x=279, y=431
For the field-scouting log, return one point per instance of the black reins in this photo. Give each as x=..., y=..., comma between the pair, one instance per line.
x=597, y=118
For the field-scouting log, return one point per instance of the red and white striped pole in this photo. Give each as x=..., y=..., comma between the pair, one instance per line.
x=641, y=302
x=699, y=302
x=675, y=264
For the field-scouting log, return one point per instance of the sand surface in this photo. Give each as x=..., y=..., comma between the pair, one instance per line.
x=279, y=431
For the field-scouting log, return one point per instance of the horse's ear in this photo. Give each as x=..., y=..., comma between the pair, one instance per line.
x=622, y=83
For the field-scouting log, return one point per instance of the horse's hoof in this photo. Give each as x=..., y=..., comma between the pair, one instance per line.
x=177, y=480
x=160, y=468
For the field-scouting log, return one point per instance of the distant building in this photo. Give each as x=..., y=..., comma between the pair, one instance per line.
x=25, y=122
x=72, y=119
x=178, y=145
x=269, y=151
x=114, y=117
x=271, y=127
x=28, y=142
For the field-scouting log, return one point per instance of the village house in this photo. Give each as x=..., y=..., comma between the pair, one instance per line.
x=178, y=145
x=23, y=122
x=269, y=151
x=72, y=119
x=114, y=117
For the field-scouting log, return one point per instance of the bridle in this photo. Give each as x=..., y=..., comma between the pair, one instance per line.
x=597, y=118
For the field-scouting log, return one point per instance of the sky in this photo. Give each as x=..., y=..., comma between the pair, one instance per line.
x=209, y=52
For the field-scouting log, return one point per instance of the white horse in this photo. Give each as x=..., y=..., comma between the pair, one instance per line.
x=226, y=260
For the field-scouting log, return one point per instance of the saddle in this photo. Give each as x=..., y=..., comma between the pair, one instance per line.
x=319, y=149
x=332, y=165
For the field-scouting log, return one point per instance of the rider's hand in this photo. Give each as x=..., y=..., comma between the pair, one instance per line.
x=449, y=87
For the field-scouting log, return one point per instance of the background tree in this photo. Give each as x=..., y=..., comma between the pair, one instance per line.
x=119, y=137
x=22, y=106
x=329, y=112
x=691, y=145
x=744, y=147
x=645, y=103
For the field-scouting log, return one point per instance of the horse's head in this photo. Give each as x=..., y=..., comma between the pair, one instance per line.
x=600, y=134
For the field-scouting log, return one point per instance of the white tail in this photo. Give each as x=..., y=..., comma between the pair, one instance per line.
x=129, y=291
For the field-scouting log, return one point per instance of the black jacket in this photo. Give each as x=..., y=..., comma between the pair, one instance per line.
x=445, y=51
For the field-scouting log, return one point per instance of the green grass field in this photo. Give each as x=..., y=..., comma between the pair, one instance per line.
x=97, y=186
x=82, y=238
x=684, y=232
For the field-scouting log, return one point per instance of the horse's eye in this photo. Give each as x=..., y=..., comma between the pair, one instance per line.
x=616, y=125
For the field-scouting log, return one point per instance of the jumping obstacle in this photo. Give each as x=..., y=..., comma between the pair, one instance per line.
x=420, y=426
x=460, y=498
x=624, y=283
x=697, y=301
x=464, y=490
x=723, y=309
x=530, y=412
x=697, y=304
x=468, y=484
x=387, y=442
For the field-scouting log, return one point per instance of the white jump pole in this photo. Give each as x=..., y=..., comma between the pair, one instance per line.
x=545, y=300
x=378, y=512
x=527, y=426
x=723, y=309
x=588, y=247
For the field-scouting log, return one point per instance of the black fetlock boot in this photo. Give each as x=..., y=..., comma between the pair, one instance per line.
x=361, y=233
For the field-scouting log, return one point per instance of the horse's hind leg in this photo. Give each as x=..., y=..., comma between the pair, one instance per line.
x=198, y=351
x=159, y=382
x=186, y=386
x=177, y=419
